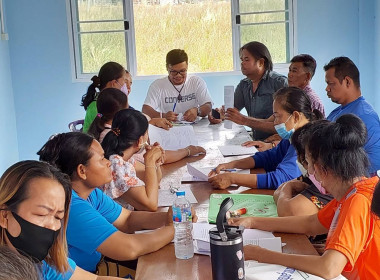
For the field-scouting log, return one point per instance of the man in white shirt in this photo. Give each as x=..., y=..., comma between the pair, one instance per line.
x=177, y=93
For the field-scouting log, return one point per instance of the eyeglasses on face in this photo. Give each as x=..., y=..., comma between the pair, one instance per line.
x=175, y=73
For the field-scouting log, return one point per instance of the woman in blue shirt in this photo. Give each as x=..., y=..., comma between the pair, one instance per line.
x=98, y=225
x=291, y=110
x=35, y=199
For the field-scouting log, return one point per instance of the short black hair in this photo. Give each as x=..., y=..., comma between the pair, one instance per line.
x=259, y=50
x=344, y=67
x=176, y=56
x=308, y=62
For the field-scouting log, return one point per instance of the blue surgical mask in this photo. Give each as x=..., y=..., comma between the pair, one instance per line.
x=281, y=130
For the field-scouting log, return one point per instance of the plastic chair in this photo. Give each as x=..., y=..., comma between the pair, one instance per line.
x=73, y=126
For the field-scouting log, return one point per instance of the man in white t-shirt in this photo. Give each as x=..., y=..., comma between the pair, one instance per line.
x=177, y=93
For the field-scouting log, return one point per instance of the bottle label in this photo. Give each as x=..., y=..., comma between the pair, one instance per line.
x=179, y=216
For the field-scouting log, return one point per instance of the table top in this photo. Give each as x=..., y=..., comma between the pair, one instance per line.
x=163, y=264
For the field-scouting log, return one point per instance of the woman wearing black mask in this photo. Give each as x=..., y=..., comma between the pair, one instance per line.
x=34, y=204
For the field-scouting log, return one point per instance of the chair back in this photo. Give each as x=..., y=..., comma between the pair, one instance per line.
x=76, y=125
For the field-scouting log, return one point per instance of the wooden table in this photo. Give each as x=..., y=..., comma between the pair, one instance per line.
x=163, y=263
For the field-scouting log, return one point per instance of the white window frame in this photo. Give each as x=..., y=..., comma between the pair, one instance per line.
x=77, y=76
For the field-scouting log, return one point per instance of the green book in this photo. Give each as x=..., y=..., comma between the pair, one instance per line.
x=257, y=205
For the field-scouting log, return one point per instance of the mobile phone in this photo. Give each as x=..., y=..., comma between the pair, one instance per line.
x=215, y=114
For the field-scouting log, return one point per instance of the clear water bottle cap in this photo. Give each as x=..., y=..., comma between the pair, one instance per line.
x=180, y=193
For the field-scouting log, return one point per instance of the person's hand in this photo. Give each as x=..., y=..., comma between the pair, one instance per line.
x=169, y=217
x=194, y=150
x=253, y=252
x=296, y=186
x=260, y=145
x=194, y=215
x=212, y=120
x=190, y=115
x=273, y=138
x=153, y=154
x=247, y=222
x=161, y=122
x=219, y=168
x=221, y=181
x=234, y=115
x=171, y=116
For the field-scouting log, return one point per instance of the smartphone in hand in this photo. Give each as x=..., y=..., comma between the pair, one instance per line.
x=215, y=114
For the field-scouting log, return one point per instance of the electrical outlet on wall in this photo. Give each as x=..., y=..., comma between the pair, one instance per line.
x=4, y=36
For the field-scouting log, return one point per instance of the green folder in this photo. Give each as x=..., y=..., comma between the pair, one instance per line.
x=257, y=205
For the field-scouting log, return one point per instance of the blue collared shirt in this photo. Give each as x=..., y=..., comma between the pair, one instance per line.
x=259, y=104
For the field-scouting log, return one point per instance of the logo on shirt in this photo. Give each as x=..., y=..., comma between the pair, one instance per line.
x=185, y=98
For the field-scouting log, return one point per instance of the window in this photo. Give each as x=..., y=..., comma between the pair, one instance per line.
x=139, y=33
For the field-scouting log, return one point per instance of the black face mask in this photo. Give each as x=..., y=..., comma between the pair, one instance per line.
x=34, y=241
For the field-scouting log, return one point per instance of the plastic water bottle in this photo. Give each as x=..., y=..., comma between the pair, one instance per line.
x=182, y=219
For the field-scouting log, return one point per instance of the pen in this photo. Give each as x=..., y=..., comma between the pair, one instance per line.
x=174, y=106
x=229, y=169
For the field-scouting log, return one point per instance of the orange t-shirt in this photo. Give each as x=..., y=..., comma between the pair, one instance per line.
x=354, y=230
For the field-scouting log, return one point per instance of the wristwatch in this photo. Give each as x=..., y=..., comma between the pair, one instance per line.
x=198, y=110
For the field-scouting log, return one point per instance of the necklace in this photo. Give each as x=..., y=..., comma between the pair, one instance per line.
x=179, y=97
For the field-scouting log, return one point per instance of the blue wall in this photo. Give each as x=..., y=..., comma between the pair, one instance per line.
x=377, y=55
x=46, y=99
x=8, y=139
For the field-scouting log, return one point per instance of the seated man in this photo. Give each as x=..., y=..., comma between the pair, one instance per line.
x=255, y=93
x=177, y=94
x=301, y=71
x=343, y=87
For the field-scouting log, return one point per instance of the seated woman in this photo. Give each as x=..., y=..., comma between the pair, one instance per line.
x=336, y=157
x=34, y=211
x=97, y=225
x=292, y=110
x=111, y=75
x=304, y=195
x=111, y=101
x=128, y=136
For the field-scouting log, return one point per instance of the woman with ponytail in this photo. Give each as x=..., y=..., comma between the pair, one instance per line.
x=129, y=136
x=111, y=75
x=291, y=110
x=335, y=155
x=110, y=101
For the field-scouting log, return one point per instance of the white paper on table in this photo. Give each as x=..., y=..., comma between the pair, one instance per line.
x=259, y=271
x=177, y=137
x=237, y=150
x=201, y=174
x=261, y=238
x=166, y=198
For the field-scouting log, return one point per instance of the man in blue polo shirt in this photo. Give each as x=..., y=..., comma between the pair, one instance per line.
x=343, y=87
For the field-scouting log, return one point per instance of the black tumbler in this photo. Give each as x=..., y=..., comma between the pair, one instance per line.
x=226, y=244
